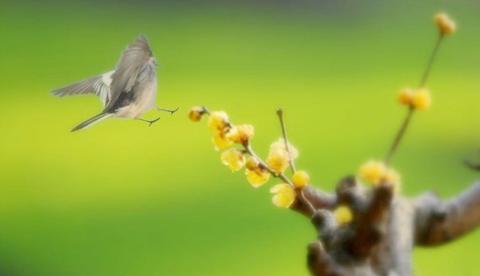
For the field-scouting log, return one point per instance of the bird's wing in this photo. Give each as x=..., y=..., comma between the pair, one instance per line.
x=131, y=63
x=98, y=85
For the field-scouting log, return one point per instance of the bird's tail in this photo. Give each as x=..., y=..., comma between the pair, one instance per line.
x=95, y=119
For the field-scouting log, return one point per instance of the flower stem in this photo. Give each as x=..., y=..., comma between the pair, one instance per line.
x=431, y=60
x=411, y=110
x=285, y=139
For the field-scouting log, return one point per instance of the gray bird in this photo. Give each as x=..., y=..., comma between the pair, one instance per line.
x=129, y=91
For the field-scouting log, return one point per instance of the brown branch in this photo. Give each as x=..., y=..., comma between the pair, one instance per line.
x=370, y=225
x=320, y=263
x=438, y=222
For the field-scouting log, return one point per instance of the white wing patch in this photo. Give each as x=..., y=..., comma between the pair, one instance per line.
x=103, y=87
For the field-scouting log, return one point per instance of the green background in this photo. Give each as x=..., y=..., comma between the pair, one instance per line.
x=122, y=198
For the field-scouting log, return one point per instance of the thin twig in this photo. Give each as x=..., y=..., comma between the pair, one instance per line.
x=400, y=134
x=431, y=60
x=285, y=139
x=408, y=118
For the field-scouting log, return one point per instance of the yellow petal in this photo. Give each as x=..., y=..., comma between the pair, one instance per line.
x=218, y=120
x=241, y=134
x=279, y=145
x=220, y=142
x=372, y=172
x=393, y=177
x=284, y=195
x=257, y=177
x=233, y=158
x=278, y=161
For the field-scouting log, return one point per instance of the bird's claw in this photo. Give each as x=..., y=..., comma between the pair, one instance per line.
x=150, y=123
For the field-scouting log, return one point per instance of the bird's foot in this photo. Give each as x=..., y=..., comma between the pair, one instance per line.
x=150, y=122
x=171, y=111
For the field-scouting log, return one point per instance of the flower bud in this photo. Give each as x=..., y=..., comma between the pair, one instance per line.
x=196, y=113
x=343, y=215
x=405, y=96
x=421, y=99
x=300, y=179
x=444, y=23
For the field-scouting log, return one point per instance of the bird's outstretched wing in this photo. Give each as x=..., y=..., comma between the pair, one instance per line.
x=132, y=62
x=98, y=85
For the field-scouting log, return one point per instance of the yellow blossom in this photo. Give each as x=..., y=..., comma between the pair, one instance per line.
x=252, y=163
x=422, y=99
x=233, y=158
x=220, y=142
x=373, y=172
x=300, y=179
x=196, y=113
x=392, y=177
x=405, y=96
x=241, y=134
x=376, y=172
x=343, y=215
x=218, y=121
x=283, y=195
x=257, y=177
x=278, y=158
x=444, y=23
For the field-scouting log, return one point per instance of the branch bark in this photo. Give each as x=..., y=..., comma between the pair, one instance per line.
x=438, y=222
x=385, y=229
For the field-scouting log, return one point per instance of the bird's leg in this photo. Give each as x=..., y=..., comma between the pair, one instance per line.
x=172, y=111
x=150, y=122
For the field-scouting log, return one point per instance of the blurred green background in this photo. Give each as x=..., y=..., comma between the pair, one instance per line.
x=122, y=198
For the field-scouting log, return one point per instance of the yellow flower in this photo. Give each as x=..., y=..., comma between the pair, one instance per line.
x=300, y=179
x=444, y=23
x=196, y=113
x=405, y=96
x=278, y=157
x=241, y=134
x=283, y=195
x=234, y=159
x=257, y=177
x=373, y=172
x=392, y=177
x=252, y=163
x=343, y=215
x=218, y=121
x=422, y=99
x=220, y=142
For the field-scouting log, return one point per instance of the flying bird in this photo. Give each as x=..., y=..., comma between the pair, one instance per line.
x=129, y=91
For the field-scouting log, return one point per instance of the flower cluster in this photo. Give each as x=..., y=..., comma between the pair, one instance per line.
x=234, y=141
x=237, y=153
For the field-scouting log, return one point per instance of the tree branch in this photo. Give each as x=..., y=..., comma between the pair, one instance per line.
x=438, y=222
